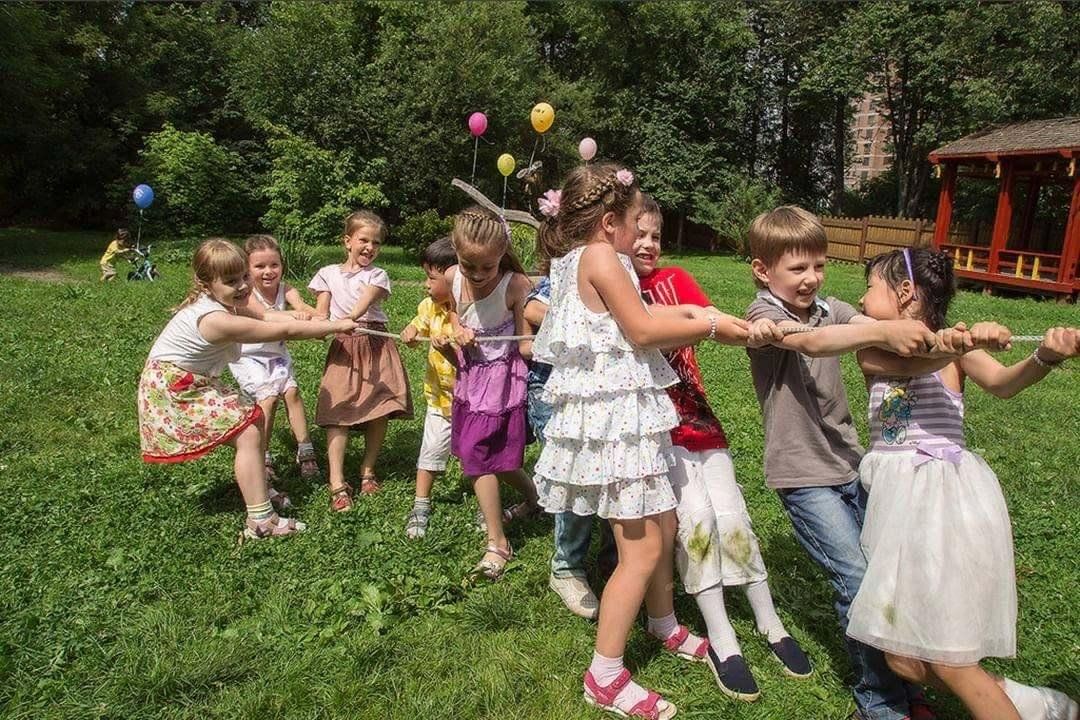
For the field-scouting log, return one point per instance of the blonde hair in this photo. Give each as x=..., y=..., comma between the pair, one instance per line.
x=214, y=259
x=360, y=218
x=788, y=228
x=588, y=193
x=482, y=228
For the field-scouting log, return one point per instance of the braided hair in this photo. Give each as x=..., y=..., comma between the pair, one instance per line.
x=479, y=227
x=589, y=192
x=935, y=283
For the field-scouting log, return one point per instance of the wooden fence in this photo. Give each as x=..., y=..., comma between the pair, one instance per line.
x=856, y=239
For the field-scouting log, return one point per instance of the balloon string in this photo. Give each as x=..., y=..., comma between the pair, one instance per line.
x=476, y=144
x=533, y=155
x=504, y=193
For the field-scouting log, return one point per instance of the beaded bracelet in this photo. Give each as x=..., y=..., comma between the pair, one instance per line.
x=1043, y=363
x=712, y=327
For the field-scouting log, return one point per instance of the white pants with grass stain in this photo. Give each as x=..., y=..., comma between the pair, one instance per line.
x=715, y=543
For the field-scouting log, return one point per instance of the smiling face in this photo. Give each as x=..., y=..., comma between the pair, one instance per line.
x=231, y=290
x=363, y=245
x=646, y=250
x=436, y=285
x=479, y=264
x=264, y=266
x=795, y=279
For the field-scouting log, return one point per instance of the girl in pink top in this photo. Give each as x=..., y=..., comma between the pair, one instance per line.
x=364, y=382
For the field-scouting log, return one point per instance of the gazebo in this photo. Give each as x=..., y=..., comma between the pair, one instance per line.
x=1025, y=159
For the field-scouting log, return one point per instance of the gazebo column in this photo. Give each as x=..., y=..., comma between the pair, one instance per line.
x=945, y=205
x=1003, y=215
x=1070, y=250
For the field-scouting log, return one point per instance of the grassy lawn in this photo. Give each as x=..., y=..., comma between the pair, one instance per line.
x=126, y=596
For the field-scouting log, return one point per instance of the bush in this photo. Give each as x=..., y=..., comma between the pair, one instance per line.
x=198, y=184
x=523, y=240
x=298, y=255
x=418, y=231
x=731, y=214
x=312, y=190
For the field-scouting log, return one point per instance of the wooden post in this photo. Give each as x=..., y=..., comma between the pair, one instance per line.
x=945, y=206
x=1070, y=248
x=918, y=233
x=862, y=238
x=1003, y=215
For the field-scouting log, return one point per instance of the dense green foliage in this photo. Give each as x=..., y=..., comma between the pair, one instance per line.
x=287, y=114
x=126, y=597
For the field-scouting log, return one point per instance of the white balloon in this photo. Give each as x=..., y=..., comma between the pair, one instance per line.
x=587, y=149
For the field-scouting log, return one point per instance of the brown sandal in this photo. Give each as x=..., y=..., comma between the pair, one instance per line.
x=369, y=484
x=341, y=499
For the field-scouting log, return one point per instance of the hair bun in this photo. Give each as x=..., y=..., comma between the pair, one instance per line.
x=940, y=264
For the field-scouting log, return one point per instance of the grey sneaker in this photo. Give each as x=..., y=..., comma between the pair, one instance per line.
x=576, y=595
x=417, y=523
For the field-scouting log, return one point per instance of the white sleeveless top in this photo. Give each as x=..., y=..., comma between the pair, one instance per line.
x=182, y=344
x=486, y=313
x=267, y=349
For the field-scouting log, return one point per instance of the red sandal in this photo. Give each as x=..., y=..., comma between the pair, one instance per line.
x=341, y=499
x=653, y=707
x=674, y=644
x=369, y=484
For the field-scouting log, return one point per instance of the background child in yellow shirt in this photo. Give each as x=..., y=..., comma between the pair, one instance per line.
x=121, y=245
x=433, y=320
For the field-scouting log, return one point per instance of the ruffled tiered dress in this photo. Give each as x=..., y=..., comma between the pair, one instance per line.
x=607, y=444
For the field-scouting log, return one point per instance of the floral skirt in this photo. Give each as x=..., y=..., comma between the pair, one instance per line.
x=184, y=415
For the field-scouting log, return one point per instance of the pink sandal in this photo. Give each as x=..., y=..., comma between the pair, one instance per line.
x=309, y=466
x=494, y=569
x=273, y=526
x=341, y=499
x=653, y=707
x=279, y=500
x=674, y=644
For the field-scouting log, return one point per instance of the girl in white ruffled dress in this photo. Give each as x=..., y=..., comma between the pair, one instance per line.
x=607, y=444
x=939, y=593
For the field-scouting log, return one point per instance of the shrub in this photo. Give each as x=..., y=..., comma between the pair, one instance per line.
x=730, y=215
x=418, y=231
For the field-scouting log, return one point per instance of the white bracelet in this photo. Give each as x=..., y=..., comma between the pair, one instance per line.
x=712, y=327
x=1043, y=363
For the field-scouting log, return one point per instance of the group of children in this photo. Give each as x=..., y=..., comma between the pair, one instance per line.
x=914, y=535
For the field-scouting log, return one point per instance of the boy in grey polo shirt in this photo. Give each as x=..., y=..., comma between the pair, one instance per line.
x=812, y=450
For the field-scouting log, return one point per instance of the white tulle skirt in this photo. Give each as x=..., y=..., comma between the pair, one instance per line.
x=940, y=583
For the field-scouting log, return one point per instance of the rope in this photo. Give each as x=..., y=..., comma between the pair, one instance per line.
x=509, y=338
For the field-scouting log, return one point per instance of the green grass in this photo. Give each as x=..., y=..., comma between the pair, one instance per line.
x=125, y=595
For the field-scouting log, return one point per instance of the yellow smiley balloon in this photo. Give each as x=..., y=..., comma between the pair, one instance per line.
x=506, y=164
x=543, y=116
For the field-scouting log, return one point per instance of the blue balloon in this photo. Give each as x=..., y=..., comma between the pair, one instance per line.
x=143, y=195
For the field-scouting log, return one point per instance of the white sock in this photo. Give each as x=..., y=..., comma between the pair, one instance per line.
x=267, y=458
x=721, y=635
x=664, y=627
x=765, y=617
x=1028, y=700
x=305, y=446
x=260, y=511
x=604, y=671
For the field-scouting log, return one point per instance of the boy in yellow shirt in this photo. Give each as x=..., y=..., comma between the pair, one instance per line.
x=433, y=321
x=120, y=246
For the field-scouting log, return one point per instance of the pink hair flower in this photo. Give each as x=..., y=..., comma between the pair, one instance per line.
x=550, y=202
x=625, y=177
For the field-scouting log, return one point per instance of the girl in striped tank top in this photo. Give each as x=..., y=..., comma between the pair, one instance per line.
x=940, y=588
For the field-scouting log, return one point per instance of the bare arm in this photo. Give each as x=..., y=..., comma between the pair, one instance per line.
x=535, y=312
x=515, y=298
x=296, y=301
x=370, y=295
x=601, y=270
x=1005, y=381
x=221, y=327
x=322, y=304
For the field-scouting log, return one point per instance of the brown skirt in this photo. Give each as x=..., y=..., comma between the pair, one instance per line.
x=363, y=380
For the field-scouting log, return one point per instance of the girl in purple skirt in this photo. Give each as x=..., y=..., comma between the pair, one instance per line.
x=488, y=415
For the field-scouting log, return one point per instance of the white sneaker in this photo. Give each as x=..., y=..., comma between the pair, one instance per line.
x=576, y=595
x=1059, y=706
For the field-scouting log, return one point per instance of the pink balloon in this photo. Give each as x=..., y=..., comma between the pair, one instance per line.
x=477, y=124
x=587, y=149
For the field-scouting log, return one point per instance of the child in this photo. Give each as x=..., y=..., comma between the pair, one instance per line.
x=185, y=411
x=363, y=383
x=264, y=370
x=120, y=246
x=715, y=545
x=606, y=444
x=812, y=451
x=572, y=532
x=939, y=592
x=488, y=287
x=433, y=321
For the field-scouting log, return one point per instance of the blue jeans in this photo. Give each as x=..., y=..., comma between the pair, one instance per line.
x=827, y=523
x=572, y=532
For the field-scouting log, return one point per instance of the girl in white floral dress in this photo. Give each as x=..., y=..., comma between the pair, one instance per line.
x=185, y=410
x=607, y=443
